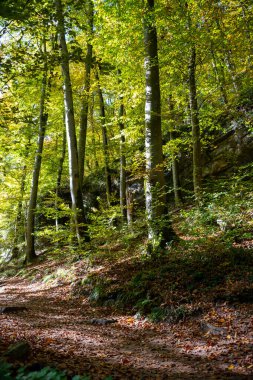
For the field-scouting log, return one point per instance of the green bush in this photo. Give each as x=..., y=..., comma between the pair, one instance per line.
x=7, y=373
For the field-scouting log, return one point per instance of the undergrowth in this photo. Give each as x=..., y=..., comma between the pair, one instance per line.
x=8, y=372
x=212, y=260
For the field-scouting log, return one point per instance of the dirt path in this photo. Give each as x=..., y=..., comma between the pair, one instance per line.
x=61, y=334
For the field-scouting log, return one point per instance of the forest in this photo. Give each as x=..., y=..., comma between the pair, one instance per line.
x=126, y=173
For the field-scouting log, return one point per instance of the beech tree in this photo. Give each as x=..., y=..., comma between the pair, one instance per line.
x=86, y=93
x=108, y=183
x=30, y=227
x=155, y=191
x=75, y=185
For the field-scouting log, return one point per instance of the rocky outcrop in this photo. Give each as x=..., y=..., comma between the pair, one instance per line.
x=232, y=149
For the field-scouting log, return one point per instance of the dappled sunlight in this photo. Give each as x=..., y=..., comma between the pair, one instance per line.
x=60, y=328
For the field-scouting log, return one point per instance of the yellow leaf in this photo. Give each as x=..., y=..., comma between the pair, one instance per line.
x=231, y=366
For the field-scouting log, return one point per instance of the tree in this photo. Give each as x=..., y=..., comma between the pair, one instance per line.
x=59, y=173
x=155, y=190
x=122, y=185
x=196, y=144
x=174, y=162
x=30, y=226
x=108, y=182
x=78, y=214
x=86, y=95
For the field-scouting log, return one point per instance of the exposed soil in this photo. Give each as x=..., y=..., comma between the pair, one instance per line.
x=63, y=333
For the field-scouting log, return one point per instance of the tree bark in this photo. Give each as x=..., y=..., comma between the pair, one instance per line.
x=123, y=202
x=85, y=98
x=30, y=226
x=227, y=57
x=19, y=224
x=108, y=182
x=220, y=75
x=75, y=189
x=196, y=143
x=159, y=230
x=174, y=164
x=59, y=175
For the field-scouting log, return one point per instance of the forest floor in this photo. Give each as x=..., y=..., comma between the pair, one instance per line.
x=69, y=332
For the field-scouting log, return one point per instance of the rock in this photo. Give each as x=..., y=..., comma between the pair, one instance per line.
x=102, y=321
x=11, y=309
x=18, y=351
x=211, y=329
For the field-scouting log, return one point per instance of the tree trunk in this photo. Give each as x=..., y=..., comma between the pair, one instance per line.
x=174, y=165
x=197, y=165
x=30, y=226
x=159, y=230
x=59, y=175
x=75, y=190
x=19, y=224
x=123, y=205
x=108, y=183
x=227, y=57
x=85, y=98
x=220, y=75
x=93, y=137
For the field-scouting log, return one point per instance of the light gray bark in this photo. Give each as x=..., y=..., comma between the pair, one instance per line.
x=122, y=165
x=75, y=190
x=123, y=205
x=155, y=184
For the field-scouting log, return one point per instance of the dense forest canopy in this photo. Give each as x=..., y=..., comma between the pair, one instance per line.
x=111, y=111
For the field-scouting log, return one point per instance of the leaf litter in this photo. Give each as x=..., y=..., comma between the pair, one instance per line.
x=74, y=335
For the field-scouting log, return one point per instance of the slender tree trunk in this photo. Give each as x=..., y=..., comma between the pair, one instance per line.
x=19, y=224
x=108, y=183
x=220, y=75
x=122, y=165
x=175, y=176
x=30, y=226
x=155, y=192
x=123, y=205
x=197, y=164
x=85, y=98
x=59, y=174
x=227, y=58
x=75, y=189
x=93, y=137
x=174, y=165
